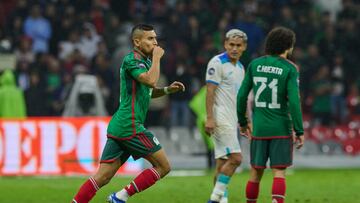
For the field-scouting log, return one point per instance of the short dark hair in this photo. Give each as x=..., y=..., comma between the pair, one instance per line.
x=142, y=27
x=279, y=40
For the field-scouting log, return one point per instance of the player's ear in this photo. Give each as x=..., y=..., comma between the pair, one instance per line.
x=245, y=45
x=136, y=42
x=225, y=43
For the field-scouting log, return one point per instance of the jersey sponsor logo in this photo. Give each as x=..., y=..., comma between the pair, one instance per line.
x=211, y=71
x=156, y=141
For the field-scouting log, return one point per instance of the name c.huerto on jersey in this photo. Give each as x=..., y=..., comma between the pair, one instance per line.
x=269, y=69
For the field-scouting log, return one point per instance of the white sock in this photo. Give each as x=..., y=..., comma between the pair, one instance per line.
x=224, y=198
x=218, y=191
x=122, y=195
x=220, y=187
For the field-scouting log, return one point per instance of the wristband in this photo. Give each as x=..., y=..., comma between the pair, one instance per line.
x=166, y=90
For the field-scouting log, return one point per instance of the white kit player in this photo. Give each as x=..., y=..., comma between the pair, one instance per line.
x=224, y=76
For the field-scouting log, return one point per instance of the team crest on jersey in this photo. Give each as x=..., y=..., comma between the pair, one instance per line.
x=141, y=65
x=211, y=71
x=156, y=141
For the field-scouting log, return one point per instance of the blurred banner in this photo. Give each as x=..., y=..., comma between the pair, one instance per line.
x=55, y=146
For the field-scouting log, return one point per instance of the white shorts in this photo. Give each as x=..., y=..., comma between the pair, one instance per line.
x=225, y=141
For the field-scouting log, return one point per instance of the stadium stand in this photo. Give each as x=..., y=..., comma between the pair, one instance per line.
x=56, y=40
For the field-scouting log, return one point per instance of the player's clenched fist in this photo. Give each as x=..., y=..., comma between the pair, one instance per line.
x=158, y=52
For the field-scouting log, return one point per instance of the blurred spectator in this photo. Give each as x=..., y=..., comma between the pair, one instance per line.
x=68, y=46
x=89, y=41
x=23, y=75
x=12, y=101
x=53, y=86
x=112, y=33
x=353, y=99
x=35, y=97
x=23, y=53
x=310, y=65
x=16, y=31
x=179, y=107
x=338, y=99
x=191, y=31
x=247, y=23
x=321, y=106
x=39, y=29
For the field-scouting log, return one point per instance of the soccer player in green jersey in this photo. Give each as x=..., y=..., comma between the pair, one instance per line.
x=127, y=135
x=277, y=117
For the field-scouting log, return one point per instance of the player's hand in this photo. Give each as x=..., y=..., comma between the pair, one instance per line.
x=210, y=126
x=298, y=141
x=246, y=131
x=176, y=86
x=158, y=52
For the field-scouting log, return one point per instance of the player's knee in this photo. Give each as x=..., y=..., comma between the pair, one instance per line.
x=102, y=179
x=164, y=169
x=236, y=160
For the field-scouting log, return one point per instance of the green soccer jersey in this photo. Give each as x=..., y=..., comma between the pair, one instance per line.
x=134, y=97
x=277, y=110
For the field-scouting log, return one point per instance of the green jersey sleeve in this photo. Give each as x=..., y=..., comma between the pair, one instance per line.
x=294, y=101
x=135, y=67
x=242, y=97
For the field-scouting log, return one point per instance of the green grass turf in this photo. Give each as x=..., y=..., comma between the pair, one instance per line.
x=303, y=186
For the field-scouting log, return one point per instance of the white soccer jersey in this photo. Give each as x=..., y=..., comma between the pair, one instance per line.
x=228, y=77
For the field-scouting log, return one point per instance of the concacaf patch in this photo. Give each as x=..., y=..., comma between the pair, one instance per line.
x=211, y=71
x=141, y=65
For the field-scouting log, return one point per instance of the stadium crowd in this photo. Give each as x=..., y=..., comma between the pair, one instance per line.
x=55, y=40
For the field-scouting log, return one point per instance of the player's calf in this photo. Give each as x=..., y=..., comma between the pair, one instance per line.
x=278, y=190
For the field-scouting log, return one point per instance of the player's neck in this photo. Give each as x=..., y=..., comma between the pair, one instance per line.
x=233, y=61
x=140, y=52
x=284, y=55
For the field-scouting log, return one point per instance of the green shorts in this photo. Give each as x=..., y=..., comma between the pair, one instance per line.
x=139, y=145
x=279, y=151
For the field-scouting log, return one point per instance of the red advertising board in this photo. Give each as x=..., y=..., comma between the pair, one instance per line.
x=54, y=146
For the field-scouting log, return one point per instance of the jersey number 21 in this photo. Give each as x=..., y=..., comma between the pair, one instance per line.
x=274, y=89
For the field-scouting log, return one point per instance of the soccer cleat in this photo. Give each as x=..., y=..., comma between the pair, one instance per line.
x=113, y=199
x=210, y=201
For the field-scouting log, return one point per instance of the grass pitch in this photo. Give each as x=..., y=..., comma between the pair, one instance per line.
x=303, y=186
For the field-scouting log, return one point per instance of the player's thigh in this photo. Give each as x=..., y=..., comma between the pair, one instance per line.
x=259, y=153
x=113, y=151
x=281, y=153
x=226, y=142
x=142, y=145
